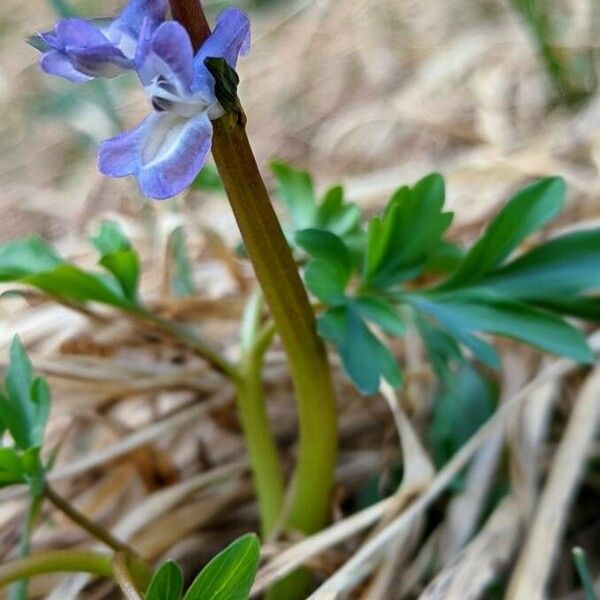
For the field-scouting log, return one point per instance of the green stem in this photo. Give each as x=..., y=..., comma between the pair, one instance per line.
x=294, y=320
x=199, y=346
x=56, y=561
x=287, y=300
x=70, y=561
x=262, y=449
x=19, y=590
x=94, y=529
x=584, y=574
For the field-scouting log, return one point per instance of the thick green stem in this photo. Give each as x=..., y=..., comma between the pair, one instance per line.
x=294, y=320
x=262, y=449
x=287, y=300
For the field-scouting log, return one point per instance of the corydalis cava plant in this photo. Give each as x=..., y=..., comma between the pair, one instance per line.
x=168, y=149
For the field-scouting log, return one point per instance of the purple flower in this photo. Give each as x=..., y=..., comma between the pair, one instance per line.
x=166, y=151
x=80, y=50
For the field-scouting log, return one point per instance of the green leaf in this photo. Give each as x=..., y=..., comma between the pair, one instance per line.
x=32, y=262
x=328, y=275
x=26, y=257
x=442, y=348
x=562, y=267
x=325, y=247
x=110, y=238
x=230, y=574
x=529, y=210
x=166, y=583
x=118, y=257
x=182, y=283
x=364, y=358
x=464, y=402
x=296, y=190
x=12, y=470
x=379, y=312
x=325, y=282
x=400, y=241
x=583, y=307
x=25, y=408
x=334, y=215
x=583, y=570
x=208, y=179
x=124, y=265
x=443, y=258
x=35, y=472
x=70, y=282
x=487, y=313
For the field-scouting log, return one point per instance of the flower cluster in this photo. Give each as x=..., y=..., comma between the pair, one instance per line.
x=168, y=148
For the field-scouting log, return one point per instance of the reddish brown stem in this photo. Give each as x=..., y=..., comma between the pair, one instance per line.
x=192, y=17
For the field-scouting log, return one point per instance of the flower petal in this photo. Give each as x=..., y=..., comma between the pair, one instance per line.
x=174, y=154
x=132, y=16
x=121, y=155
x=165, y=152
x=229, y=40
x=167, y=53
x=99, y=61
x=78, y=33
x=56, y=63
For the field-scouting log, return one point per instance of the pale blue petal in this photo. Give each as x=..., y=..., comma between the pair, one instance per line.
x=78, y=33
x=56, y=63
x=99, y=61
x=132, y=17
x=165, y=152
x=174, y=155
x=229, y=40
x=167, y=52
x=121, y=155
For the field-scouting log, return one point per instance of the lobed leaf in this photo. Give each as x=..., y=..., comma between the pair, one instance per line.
x=529, y=210
x=469, y=313
x=296, y=190
x=463, y=403
x=561, y=267
x=364, y=357
x=400, y=242
x=329, y=273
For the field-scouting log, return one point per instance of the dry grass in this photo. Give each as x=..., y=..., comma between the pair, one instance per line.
x=373, y=94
